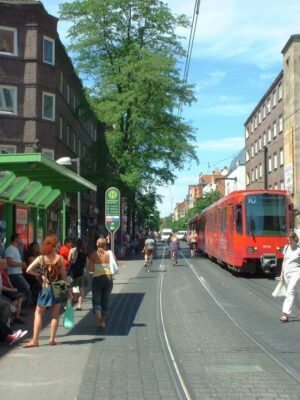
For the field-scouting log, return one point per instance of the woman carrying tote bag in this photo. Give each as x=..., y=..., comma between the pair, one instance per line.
x=50, y=267
x=78, y=263
x=290, y=273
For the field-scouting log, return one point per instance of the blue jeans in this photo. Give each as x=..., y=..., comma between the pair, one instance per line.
x=101, y=289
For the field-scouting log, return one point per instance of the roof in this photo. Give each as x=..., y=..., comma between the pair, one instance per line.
x=34, y=180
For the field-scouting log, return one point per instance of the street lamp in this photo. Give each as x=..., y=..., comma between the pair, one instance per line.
x=69, y=161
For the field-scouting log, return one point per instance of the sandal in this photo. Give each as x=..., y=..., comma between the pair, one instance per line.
x=31, y=343
x=52, y=343
x=284, y=318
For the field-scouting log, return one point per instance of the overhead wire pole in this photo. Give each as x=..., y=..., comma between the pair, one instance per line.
x=190, y=47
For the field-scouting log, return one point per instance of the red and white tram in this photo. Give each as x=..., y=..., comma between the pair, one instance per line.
x=246, y=230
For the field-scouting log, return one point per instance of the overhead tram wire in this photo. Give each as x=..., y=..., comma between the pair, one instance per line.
x=190, y=48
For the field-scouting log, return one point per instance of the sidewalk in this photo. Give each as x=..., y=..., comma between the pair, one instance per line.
x=52, y=371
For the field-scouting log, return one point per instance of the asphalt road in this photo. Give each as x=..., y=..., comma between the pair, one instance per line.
x=190, y=331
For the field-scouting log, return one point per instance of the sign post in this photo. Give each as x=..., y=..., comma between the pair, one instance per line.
x=112, y=212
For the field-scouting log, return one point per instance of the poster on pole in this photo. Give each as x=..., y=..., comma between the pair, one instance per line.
x=112, y=209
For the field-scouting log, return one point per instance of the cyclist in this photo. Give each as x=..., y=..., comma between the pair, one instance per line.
x=148, y=250
x=174, y=247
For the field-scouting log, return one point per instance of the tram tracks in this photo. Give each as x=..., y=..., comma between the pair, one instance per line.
x=267, y=349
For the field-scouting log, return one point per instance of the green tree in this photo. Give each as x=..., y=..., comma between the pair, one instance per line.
x=129, y=52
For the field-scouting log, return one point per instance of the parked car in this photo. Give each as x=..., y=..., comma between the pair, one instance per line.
x=181, y=235
x=165, y=234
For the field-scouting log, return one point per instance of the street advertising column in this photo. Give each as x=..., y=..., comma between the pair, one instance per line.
x=112, y=212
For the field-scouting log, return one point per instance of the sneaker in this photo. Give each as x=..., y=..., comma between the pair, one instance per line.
x=16, y=336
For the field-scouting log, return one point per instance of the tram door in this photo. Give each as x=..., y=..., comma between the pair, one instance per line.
x=230, y=213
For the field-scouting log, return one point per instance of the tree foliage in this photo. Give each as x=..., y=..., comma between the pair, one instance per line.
x=199, y=205
x=129, y=52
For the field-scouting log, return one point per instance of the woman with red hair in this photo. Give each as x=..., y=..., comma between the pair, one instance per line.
x=50, y=267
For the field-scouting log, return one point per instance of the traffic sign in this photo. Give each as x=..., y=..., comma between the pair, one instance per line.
x=112, y=209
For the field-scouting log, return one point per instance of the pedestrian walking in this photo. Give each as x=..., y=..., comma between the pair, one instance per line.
x=291, y=275
x=78, y=264
x=65, y=250
x=102, y=285
x=50, y=267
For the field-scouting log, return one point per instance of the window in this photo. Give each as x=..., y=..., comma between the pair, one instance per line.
x=264, y=111
x=280, y=124
x=7, y=149
x=259, y=144
x=68, y=94
x=49, y=153
x=252, y=126
x=275, y=186
x=246, y=133
x=239, y=219
x=264, y=139
x=8, y=41
x=247, y=155
x=61, y=82
x=48, y=50
x=8, y=100
x=281, y=158
x=260, y=170
x=269, y=135
x=252, y=150
x=274, y=129
x=268, y=105
x=280, y=91
x=252, y=175
x=274, y=98
x=247, y=179
x=68, y=135
x=259, y=116
x=49, y=106
x=255, y=122
x=275, y=161
x=282, y=185
x=61, y=128
x=256, y=173
x=255, y=147
x=270, y=164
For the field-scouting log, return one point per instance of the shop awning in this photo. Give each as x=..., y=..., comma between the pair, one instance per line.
x=34, y=180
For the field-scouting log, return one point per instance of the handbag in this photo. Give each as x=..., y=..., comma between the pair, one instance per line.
x=280, y=289
x=114, y=269
x=69, y=316
x=59, y=288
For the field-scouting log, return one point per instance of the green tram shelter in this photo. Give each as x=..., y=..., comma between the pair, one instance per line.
x=31, y=181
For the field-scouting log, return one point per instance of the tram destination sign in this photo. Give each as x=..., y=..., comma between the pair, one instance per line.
x=112, y=209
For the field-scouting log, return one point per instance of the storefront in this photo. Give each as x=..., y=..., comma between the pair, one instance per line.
x=33, y=196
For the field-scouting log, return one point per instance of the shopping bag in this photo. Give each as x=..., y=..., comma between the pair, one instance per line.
x=280, y=290
x=69, y=316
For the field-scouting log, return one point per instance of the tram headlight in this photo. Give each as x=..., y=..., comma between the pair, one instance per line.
x=280, y=248
x=252, y=249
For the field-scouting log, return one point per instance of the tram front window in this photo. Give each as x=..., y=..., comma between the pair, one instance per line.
x=265, y=215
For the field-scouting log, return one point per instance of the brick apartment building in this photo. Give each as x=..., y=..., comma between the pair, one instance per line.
x=264, y=140
x=41, y=96
x=272, y=131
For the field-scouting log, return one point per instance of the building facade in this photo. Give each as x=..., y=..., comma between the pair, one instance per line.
x=42, y=102
x=264, y=143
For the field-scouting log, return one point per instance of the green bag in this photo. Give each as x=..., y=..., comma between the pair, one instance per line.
x=69, y=316
x=60, y=290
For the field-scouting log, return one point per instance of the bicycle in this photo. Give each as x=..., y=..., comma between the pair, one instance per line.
x=174, y=257
x=193, y=249
x=148, y=262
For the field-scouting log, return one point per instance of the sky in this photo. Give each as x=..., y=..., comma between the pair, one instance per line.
x=235, y=58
